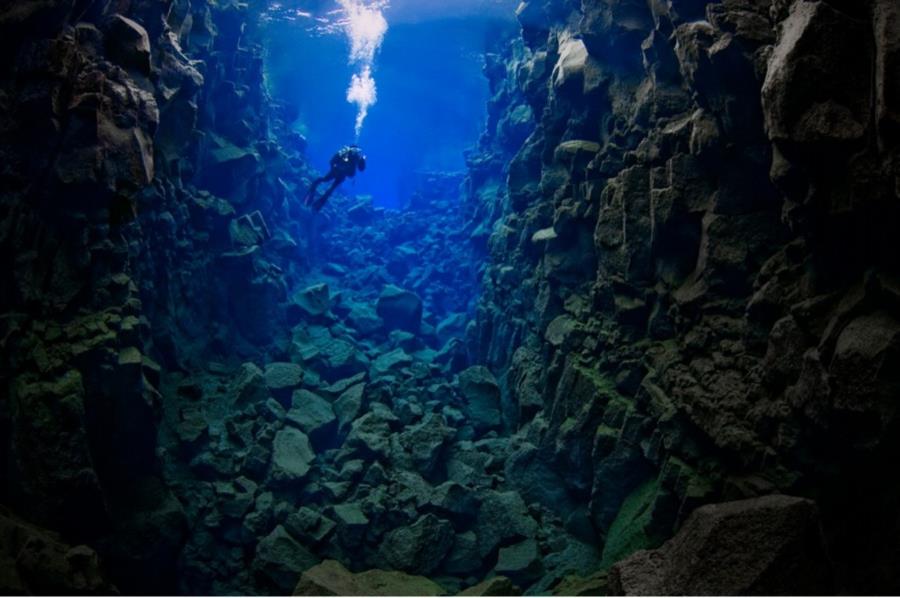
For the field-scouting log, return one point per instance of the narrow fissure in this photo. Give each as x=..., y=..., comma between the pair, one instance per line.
x=604, y=300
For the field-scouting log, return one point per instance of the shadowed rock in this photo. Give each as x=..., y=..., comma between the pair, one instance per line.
x=332, y=579
x=764, y=546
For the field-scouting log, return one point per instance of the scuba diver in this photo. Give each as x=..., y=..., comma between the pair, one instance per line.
x=344, y=164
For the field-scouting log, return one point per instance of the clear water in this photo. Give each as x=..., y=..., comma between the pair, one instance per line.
x=431, y=91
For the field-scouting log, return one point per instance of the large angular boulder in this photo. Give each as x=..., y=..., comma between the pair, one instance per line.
x=815, y=90
x=399, y=309
x=330, y=578
x=127, y=43
x=292, y=456
x=771, y=545
x=282, y=378
x=520, y=562
x=481, y=393
x=314, y=416
x=420, y=547
x=280, y=559
x=35, y=561
x=502, y=519
x=313, y=301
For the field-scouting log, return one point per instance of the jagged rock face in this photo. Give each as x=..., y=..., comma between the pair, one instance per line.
x=693, y=260
x=111, y=254
x=683, y=213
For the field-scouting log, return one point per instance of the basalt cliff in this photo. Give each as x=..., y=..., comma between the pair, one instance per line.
x=648, y=343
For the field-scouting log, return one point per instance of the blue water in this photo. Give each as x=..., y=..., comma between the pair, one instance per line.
x=431, y=97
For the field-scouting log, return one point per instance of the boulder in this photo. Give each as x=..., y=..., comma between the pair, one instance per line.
x=348, y=405
x=502, y=519
x=481, y=393
x=281, y=559
x=248, y=231
x=399, y=308
x=364, y=319
x=351, y=522
x=771, y=545
x=464, y=558
x=520, y=562
x=391, y=361
x=248, y=387
x=314, y=416
x=815, y=90
x=127, y=43
x=420, y=547
x=495, y=586
x=292, y=456
x=330, y=578
x=339, y=359
x=309, y=526
x=424, y=442
x=35, y=561
x=282, y=378
x=313, y=301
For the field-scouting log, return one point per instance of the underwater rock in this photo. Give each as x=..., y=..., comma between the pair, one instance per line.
x=464, y=556
x=399, y=308
x=425, y=442
x=391, y=361
x=769, y=545
x=330, y=578
x=314, y=416
x=495, y=586
x=348, y=405
x=127, y=43
x=503, y=519
x=314, y=301
x=351, y=522
x=281, y=559
x=364, y=319
x=793, y=96
x=420, y=547
x=481, y=392
x=248, y=231
x=235, y=499
x=520, y=562
x=35, y=561
x=248, y=387
x=309, y=526
x=282, y=378
x=292, y=456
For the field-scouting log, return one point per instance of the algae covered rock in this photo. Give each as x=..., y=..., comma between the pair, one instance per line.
x=330, y=578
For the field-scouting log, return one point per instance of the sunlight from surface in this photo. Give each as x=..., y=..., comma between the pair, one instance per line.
x=365, y=26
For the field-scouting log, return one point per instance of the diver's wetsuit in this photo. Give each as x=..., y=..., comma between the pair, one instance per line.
x=344, y=164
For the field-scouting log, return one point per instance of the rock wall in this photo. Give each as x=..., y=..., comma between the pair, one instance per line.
x=692, y=290
x=683, y=213
x=139, y=171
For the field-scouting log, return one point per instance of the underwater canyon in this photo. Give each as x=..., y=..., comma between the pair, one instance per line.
x=638, y=335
